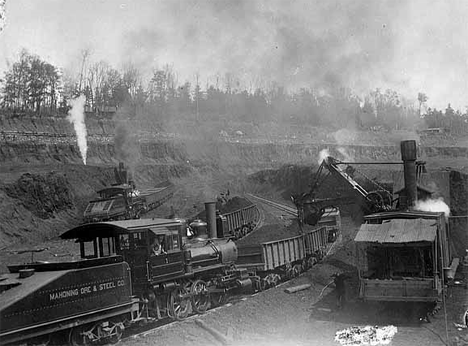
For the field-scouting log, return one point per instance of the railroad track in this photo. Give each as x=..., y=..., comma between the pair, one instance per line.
x=290, y=210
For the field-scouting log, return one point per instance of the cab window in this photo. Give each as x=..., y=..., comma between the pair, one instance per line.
x=172, y=241
x=139, y=240
x=88, y=249
x=107, y=247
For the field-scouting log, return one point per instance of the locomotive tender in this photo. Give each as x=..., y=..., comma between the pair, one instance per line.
x=119, y=280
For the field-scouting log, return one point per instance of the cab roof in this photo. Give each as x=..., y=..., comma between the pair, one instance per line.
x=112, y=228
x=398, y=231
x=413, y=214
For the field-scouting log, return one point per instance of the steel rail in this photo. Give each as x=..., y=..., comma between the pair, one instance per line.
x=283, y=207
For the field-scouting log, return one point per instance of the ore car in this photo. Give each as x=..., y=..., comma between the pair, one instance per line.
x=238, y=223
x=281, y=259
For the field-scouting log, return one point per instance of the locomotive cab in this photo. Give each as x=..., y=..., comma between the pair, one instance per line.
x=133, y=241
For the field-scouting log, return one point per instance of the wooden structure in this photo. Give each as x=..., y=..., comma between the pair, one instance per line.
x=402, y=256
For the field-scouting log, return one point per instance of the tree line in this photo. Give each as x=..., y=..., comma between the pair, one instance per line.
x=33, y=85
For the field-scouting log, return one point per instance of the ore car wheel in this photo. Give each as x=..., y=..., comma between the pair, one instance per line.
x=77, y=337
x=200, y=296
x=305, y=265
x=179, y=303
x=116, y=333
x=311, y=262
x=297, y=270
x=262, y=285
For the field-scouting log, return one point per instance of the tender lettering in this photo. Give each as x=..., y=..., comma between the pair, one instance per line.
x=86, y=290
x=63, y=294
x=106, y=286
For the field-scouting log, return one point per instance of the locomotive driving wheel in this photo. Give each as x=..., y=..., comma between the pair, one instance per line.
x=200, y=296
x=179, y=303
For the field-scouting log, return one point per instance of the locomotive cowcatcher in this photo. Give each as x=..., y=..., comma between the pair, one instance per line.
x=120, y=279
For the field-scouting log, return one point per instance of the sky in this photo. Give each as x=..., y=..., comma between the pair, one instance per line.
x=408, y=46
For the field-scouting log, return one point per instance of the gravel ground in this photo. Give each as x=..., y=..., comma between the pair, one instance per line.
x=275, y=318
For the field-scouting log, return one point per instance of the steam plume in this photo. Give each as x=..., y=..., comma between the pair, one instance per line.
x=344, y=152
x=77, y=117
x=434, y=205
x=324, y=153
x=127, y=148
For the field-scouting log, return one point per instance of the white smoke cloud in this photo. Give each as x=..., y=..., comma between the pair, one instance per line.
x=324, y=153
x=434, y=205
x=76, y=116
x=345, y=153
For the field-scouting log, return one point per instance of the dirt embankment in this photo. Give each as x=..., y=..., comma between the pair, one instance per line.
x=58, y=125
x=201, y=168
x=41, y=205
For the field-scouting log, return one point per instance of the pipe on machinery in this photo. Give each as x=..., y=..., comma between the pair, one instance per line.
x=210, y=210
x=408, y=155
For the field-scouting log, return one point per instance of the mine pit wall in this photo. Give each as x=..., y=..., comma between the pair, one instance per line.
x=175, y=157
x=219, y=152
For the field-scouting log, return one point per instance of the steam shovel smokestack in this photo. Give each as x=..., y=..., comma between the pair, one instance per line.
x=210, y=210
x=408, y=155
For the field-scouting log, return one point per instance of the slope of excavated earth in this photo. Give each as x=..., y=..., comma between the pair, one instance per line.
x=44, y=185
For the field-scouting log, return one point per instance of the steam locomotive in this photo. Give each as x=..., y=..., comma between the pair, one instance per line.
x=121, y=279
x=122, y=201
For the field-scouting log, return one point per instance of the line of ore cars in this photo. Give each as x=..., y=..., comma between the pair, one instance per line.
x=120, y=280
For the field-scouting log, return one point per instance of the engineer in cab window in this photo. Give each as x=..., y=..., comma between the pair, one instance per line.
x=157, y=247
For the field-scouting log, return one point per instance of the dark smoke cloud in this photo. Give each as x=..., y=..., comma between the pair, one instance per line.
x=294, y=43
x=126, y=146
x=408, y=46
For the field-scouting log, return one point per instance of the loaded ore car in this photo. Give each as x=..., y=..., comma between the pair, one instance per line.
x=235, y=218
x=284, y=258
x=331, y=219
x=238, y=223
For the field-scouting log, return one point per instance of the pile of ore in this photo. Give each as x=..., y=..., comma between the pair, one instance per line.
x=367, y=335
x=233, y=204
x=227, y=206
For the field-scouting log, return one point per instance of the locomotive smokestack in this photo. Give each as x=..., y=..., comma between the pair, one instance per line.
x=210, y=209
x=408, y=155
